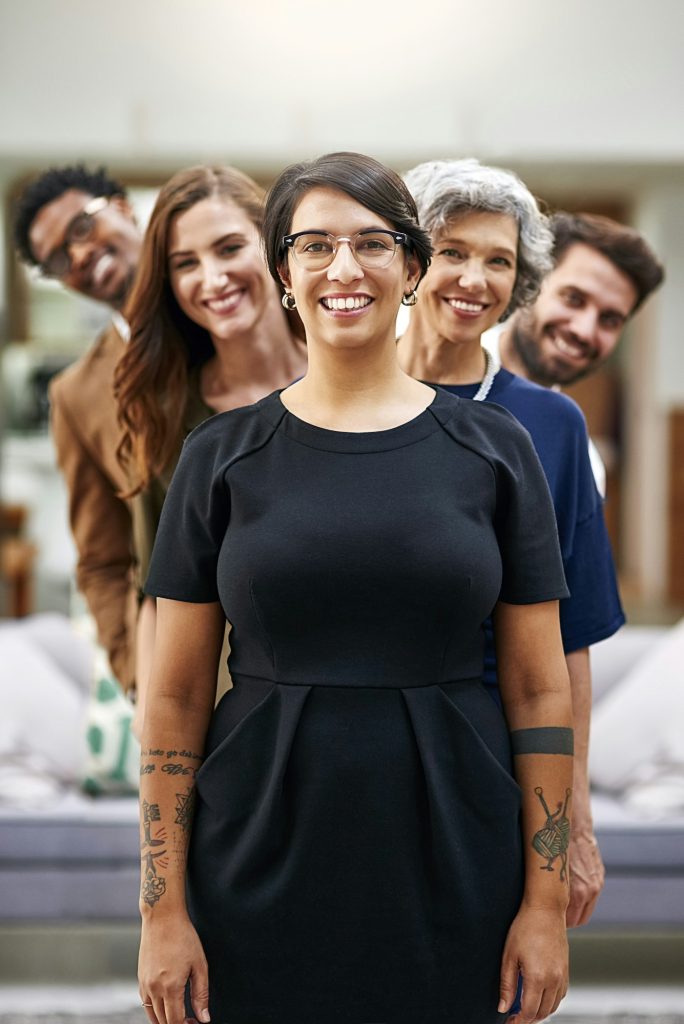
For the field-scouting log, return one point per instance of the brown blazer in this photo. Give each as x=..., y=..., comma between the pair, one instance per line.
x=86, y=435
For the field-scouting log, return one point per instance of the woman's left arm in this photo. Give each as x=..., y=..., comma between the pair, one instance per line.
x=535, y=690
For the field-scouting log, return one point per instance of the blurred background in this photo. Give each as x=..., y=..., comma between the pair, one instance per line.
x=584, y=100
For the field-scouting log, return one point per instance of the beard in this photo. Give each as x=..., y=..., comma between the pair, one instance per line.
x=545, y=371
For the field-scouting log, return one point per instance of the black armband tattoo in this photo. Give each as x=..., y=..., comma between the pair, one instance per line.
x=549, y=739
x=553, y=839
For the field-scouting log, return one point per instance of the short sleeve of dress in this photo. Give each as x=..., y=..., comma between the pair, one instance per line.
x=192, y=526
x=526, y=522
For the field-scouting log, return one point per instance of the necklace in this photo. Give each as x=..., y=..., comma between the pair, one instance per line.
x=491, y=370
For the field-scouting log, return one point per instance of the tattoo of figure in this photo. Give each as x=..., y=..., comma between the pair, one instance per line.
x=153, y=885
x=553, y=839
x=185, y=808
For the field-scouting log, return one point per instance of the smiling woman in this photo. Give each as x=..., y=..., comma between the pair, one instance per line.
x=356, y=852
x=207, y=333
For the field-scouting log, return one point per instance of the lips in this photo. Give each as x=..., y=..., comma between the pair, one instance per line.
x=102, y=268
x=569, y=347
x=221, y=305
x=466, y=306
x=345, y=303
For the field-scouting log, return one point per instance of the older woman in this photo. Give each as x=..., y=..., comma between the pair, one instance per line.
x=491, y=249
x=356, y=853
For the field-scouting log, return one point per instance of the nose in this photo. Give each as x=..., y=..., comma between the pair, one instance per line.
x=472, y=276
x=214, y=274
x=80, y=254
x=584, y=323
x=344, y=267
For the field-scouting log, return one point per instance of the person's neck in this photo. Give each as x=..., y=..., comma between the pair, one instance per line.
x=356, y=389
x=508, y=354
x=268, y=356
x=428, y=356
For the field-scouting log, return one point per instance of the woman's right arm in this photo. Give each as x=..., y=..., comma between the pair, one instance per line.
x=180, y=701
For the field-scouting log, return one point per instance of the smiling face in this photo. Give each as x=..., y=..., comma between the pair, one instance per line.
x=577, y=320
x=217, y=272
x=346, y=305
x=471, y=277
x=103, y=264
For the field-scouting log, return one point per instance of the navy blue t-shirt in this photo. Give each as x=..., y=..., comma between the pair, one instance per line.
x=559, y=434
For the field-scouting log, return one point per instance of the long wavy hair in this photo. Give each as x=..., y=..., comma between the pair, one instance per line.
x=151, y=378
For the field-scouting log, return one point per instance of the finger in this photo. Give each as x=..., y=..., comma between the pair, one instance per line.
x=158, y=1008
x=548, y=1002
x=149, y=1009
x=508, y=985
x=199, y=992
x=531, y=998
x=560, y=995
x=175, y=1007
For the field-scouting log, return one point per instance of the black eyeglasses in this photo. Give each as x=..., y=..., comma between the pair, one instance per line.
x=372, y=247
x=80, y=229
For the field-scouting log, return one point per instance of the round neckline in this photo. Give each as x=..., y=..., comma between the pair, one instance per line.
x=413, y=430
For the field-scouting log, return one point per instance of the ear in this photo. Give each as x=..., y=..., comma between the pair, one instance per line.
x=413, y=271
x=284, y=275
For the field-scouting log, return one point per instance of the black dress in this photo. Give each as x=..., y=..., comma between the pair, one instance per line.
x=356, y=854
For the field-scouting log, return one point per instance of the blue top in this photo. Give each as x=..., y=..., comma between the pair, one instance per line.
x=559, y=433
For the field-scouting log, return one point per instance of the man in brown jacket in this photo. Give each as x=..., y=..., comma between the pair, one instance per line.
x=78, y=227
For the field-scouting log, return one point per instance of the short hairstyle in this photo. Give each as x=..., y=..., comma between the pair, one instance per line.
x=622, y=245
x=445, y=190
x=51, y=185
x=362, y=178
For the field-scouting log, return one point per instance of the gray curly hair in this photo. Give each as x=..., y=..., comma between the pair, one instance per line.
x=446, y=189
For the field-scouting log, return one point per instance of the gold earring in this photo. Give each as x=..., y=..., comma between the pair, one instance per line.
x=409, y=299
x=288, y=300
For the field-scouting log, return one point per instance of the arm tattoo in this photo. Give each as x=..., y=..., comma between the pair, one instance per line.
x=185, y=808
x=552, y=840
x=153, y=884
x=547, y=740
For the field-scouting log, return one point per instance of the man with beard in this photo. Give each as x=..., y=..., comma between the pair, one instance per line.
x=603, y=273
x=77, y=227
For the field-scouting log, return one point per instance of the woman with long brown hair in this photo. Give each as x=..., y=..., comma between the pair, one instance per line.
x=208, y=334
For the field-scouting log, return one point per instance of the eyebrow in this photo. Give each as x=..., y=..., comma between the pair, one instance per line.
x=359, y=231
x=218, y=241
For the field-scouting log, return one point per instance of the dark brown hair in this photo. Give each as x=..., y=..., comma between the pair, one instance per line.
x=623, y=246
x=151, y=379
x=364, y=179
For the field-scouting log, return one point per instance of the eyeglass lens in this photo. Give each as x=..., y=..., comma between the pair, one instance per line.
x=58, y=264
x=370, y=248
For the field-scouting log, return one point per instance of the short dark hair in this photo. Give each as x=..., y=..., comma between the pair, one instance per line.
x=622, y=245
x=51, y=185
x=362, y=178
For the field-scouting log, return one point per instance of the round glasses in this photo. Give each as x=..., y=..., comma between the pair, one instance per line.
x=315, y=250
x=80, y=229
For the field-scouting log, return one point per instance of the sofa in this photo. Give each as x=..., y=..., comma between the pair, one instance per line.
x=76, y=858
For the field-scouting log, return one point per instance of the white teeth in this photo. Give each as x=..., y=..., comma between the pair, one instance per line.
x=101, y=268
x=348, y=302
x=569, y=347
x=224, y=304
x=469, y=307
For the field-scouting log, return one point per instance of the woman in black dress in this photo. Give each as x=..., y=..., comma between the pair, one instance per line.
x=361, y=851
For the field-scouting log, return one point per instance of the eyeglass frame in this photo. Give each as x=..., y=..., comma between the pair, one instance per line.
x=89, y=213
x=399, y=238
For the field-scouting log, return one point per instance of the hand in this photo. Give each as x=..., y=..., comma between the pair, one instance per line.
x=537, y=948
x=587, y=876
x=170, y=954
